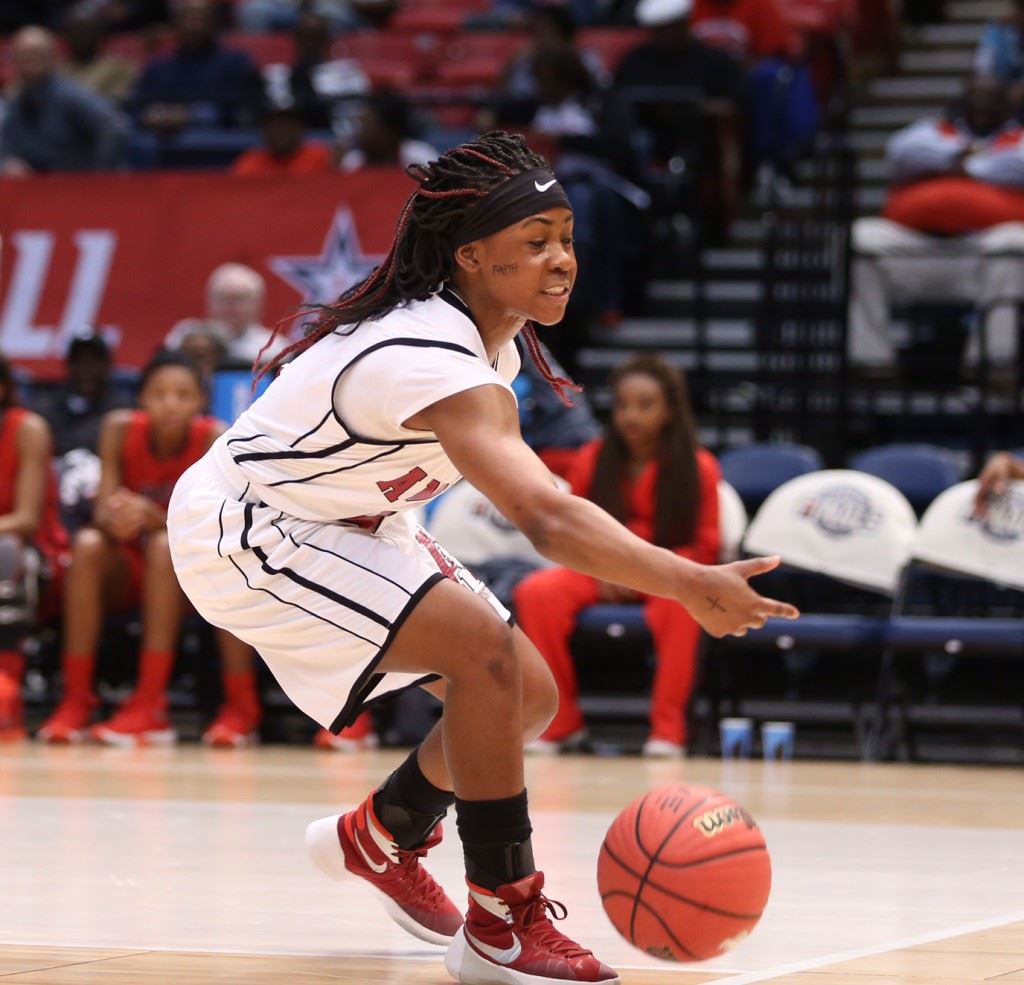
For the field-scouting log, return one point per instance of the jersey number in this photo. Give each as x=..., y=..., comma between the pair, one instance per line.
x=395, y=489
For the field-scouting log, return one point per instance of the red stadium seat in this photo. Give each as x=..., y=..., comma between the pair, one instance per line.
x=438, y=21
x=472, y=71
x=610, y=44
x=384, y=50
x=499, y=46
x=264, y=49
x=388, y=73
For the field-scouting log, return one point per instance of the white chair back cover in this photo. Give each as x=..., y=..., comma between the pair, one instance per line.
x=848, y=525
x=732, y=522
x=991, y=546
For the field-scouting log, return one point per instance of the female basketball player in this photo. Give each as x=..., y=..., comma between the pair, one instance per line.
x=292, y=533
x=649, y=473
x=123, y=561
x=29, y=521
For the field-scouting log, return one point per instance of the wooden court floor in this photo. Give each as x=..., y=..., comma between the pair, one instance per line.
x=186, y=866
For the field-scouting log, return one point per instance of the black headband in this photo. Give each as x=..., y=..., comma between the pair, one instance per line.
x=510, y=202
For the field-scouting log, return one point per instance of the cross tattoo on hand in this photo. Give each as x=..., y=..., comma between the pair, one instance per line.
x=714, y=604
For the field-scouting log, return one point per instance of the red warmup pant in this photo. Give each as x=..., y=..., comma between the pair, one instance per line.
x=547, y=604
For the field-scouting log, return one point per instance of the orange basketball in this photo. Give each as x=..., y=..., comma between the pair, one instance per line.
x=684, y=873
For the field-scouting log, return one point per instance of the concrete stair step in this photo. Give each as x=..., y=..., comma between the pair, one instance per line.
x=937, y=60
x=943, y=34
x=928, y=87
x=874, y=117
x=978, y=10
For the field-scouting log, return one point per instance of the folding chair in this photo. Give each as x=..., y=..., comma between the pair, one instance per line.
x=918, y=471
x=732, y=522
x=843, y=537
x=965, y=579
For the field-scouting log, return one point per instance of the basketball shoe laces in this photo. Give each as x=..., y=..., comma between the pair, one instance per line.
x=408, y=870
x=534, y=914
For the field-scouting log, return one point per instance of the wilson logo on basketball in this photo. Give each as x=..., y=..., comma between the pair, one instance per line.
x=712, y=822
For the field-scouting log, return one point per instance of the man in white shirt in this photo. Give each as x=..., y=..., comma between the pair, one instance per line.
x=234, y=307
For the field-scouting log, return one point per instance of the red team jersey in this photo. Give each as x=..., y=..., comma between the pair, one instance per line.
x=143, y=473
x=51, y=537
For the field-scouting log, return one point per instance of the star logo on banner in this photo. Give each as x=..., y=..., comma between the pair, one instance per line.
x=341, y=263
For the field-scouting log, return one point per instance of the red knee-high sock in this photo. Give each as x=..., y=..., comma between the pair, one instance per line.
x=12, y=664
x=155, y=668
x=241, y=693
x=78, y=673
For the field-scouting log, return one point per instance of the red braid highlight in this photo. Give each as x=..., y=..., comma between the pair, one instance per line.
x=490, y=160
x=562, y=386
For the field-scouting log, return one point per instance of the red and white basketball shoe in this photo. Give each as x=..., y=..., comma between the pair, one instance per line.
x=359, y=843
x=508, y=939
x=233, y=728
x=138, y=722
x=69, y=722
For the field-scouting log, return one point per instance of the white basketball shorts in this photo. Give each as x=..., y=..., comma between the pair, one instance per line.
x=320, y=602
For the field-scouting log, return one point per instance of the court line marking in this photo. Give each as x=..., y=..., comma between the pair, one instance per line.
x=838, y=957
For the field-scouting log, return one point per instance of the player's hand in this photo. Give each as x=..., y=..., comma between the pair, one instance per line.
x=725, y=605
x=609, y=592
x=124, y=515
x=992, y=481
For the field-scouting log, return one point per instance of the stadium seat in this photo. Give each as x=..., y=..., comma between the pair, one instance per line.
x=438, y=22
x=918, y=471
x=962, y=595
x=756, y=470
x=499, y=46
x=263, y=49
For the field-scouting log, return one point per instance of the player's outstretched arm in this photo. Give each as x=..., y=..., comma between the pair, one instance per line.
x=479, y=430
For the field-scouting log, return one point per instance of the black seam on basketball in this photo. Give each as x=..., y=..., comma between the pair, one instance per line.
x=712, y=858
x=653, y=858
x=668, y=930
x=640, y=845
x=700, y=906
x=615, y=858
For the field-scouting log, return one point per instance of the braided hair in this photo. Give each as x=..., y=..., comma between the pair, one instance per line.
x=421, y=258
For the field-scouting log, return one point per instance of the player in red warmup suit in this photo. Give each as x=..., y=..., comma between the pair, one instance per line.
x=650, y=473
x=29, y=523
x=123, y=561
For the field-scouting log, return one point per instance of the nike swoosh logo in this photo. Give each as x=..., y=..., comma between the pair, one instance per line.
x=378, y=867
x=545, y=186
x=496, y=954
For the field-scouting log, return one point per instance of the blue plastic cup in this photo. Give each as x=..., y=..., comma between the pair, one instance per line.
x=778, y=740
x=737, y=737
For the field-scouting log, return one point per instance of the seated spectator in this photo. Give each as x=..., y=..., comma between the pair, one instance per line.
x=1000, y=470
x=650, y=473
x=75, y=412
x=961, y=177
x=1000, y=52
x=123, y=562
x=31, y=538
x=234, y=306
x=686, y=97
x=130, y=15
x=200, y=83
x=285, y=148
x=109, y=76
x=321, y=86
x=53, y=123
x=749, y=30
x=284, y=15
x=384, y=136
x=206, y=347
x=551, y=29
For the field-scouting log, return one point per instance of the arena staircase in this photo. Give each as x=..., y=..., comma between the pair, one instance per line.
x=759, y=325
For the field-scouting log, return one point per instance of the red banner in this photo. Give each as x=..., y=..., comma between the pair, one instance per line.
x=132, y=253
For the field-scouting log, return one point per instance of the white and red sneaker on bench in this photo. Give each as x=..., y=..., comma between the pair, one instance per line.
x=508, y=938
x=358, y=843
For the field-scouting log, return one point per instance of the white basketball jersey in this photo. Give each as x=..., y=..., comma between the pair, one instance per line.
x=295, y=449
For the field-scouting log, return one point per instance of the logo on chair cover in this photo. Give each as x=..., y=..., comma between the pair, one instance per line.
x=1004, y=518
x=841, y=510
